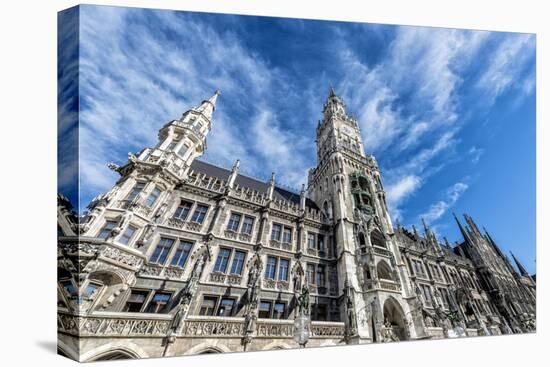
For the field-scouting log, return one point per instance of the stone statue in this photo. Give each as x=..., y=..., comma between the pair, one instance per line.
x=303, y=301
x=197, y=270
x=124, y=219
x=387, y=333
x=149, y=229
x=253, y=276
x=160, y=212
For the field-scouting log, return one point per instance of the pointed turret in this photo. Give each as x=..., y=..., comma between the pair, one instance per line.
x=303, y=197
x=208, y=106
x=462, y=230
x=234, y=173
x=186, y=137
x=271, y=186
x=521, y=269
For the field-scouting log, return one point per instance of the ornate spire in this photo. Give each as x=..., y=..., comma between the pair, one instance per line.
x=271, y=186
x=208, y=106
x=233, y=174
x=522, y=270
x=462, y=230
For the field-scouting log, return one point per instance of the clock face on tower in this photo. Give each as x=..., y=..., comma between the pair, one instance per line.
x=347, y=130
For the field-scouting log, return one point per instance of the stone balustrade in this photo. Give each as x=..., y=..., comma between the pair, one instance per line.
x=181, y=224
x=114, y=324
x=111, y=324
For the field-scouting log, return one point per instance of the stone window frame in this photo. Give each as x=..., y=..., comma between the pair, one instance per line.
x=218, y=299
x=277, y=268
x=107, y=221
x=191, y=207
x=131, y=196
x=155, y=193
x=149, y=294
x=132, y=236
x=311, y=235
x=272, y=303
x=173, y=252
x=230, y=221
x=230, y=260
x=166, y=308
x=245, y=217
x=195, y=208
x=152, y=250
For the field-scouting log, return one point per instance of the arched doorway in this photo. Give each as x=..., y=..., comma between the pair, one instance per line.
x=394, y=316
x=114, y=355
x=210, y=351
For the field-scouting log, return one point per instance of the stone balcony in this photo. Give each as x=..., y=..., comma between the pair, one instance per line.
x=382, y=284
x=99, y=250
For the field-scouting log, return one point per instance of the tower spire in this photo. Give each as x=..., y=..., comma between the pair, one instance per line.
x=462, y=230
x=522, y=270
x=208, y=106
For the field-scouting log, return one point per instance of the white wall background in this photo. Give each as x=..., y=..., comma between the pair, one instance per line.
x=28, y=122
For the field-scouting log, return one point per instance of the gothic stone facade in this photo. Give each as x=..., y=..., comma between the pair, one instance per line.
x=183, y=257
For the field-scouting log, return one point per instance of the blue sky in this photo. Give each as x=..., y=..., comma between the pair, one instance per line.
x=449, y=114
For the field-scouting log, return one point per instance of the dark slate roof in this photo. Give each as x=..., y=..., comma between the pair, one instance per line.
x=248, y=182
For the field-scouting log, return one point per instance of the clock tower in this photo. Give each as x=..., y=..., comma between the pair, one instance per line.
x=347, y=186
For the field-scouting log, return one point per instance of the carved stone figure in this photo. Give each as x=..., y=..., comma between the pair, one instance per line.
x=160, y=212
x=303, y=301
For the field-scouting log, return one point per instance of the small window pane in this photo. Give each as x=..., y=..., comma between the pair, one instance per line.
x=238, y=262
x=161, y=251
x=199, y=214
x=183, y=210
x=276, y=232
x=283, y=269
x=248, y=223
x=106, y=230
x=287, y=235
x=271, y=267
x=159, y=302
x=226, y=307
x=127, y=235
x=182, y=253
x=234, y=221
x=207, y=306
x=222, y=260
x=136, y=190
x=152, y=198
x=264, y=311
x=279, y=310
x=135, y=301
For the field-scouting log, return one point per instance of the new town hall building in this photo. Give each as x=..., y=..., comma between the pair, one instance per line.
x=184, y=257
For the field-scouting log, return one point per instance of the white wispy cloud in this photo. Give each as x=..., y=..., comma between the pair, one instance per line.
x=134, y=80
x=400, y=190
x=507, y=64
x=410, y=103
x=140, y=69
x=475, y=153
x=439, y=208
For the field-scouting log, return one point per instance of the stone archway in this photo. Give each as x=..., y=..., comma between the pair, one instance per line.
x=394, y=315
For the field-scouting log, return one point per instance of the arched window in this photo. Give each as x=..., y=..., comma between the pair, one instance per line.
x=377, y=239
x=384, y=270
